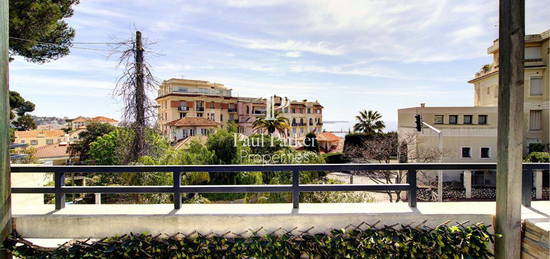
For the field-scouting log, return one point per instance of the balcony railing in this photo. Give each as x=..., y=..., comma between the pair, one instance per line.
x=183, y=108
x=295, y=188
x=200, y=108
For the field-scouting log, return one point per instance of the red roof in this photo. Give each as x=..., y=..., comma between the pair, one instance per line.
x=53, y=150
x=193, y=122
x=327, y=136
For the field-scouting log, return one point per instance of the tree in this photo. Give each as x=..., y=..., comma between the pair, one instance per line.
x=38, y=31
x=380, y=148
x=310, y=143
x=18, y=107
x=81, y=148
x=369, y=122
x=112, y=148
x=279, y=123
x=24, y=122
x=135, y=81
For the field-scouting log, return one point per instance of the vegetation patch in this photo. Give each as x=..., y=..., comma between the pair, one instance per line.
x=459, y=241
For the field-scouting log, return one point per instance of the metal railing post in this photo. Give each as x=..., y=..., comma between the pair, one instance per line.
x=59, y=181
x=411, y=180
x=526, y=187
x=177, y=194
x=295, y=189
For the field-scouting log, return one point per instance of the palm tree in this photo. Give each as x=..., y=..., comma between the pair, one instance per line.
x=369, y=122
x=279, y=124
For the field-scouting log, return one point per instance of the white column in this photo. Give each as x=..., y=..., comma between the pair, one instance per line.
x=468, y=183
x=97, y=198
x=538, y=184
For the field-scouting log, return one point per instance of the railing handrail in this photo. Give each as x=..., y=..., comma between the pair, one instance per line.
x=411, y=187
x=263, y=167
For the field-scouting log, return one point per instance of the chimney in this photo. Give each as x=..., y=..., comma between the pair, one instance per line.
x=422, y=105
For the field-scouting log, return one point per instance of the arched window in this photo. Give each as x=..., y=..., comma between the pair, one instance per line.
x=310, y=121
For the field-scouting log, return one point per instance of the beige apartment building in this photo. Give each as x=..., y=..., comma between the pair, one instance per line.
x=469, y=134
x=184, y=98
x=39, y=138
x=81, y=122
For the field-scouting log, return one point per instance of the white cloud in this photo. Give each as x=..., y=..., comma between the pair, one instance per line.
x=293, y=54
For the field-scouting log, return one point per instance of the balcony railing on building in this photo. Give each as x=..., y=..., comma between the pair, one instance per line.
x=295, y=188
x=184, y=108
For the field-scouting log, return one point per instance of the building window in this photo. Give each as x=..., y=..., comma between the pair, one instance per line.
x=34, y=142
x=212, y=105
x=466, y=152
x=49, y=141
x=482, y=119
x=182, y=115
x=467, y=119
x=438, y=119
x=221, y=117
x=453, y=119
x=534, y=119
x=533, y=53
x=199, y=115
x=485, y=152
x=535, y=86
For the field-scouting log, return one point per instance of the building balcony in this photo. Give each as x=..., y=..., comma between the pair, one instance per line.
x=200, y=109
x=97, y=221
x=184, y=108
x=232, y=110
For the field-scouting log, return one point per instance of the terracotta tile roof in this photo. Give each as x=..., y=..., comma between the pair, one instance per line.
x=327, y=136
x=41, y=133
x=103, y=119
x=96, y=119
x=53, y=150
x=193, y=122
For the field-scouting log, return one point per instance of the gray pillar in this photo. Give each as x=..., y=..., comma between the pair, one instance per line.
x=5, y=190
x=510, y=128
x=468, y=183
x=538, y=184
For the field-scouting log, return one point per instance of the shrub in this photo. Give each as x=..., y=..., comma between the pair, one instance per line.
x=538, y=157
x=356, y=241
x=336, y=158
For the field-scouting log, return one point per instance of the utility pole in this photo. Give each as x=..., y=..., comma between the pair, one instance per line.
x=510, y=128
x=139, y=124
x=440, y=159
x=5, y=188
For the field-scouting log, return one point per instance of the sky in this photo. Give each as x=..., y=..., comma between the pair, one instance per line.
x=349, y=55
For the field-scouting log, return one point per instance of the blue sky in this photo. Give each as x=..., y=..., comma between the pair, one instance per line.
x=350, y=55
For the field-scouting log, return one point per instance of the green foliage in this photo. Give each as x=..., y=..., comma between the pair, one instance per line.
x=369, y=122
x=459, y=241
x=538, y=157
x=18, y=117
x=310, y=143
x=32, y=22
x=24, y=122
x=113, y=148
x=335, y=197
x=18, y=105
x=335, y=158
x=81, y=148
x=279, y=123
x=264, y=144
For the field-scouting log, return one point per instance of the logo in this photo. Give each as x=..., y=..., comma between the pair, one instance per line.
x=271, y=106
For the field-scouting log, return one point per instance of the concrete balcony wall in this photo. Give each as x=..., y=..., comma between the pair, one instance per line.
x=97, y=221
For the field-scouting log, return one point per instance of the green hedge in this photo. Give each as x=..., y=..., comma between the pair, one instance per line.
x=336, y=158
x=388, y=242
x=538, y=157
